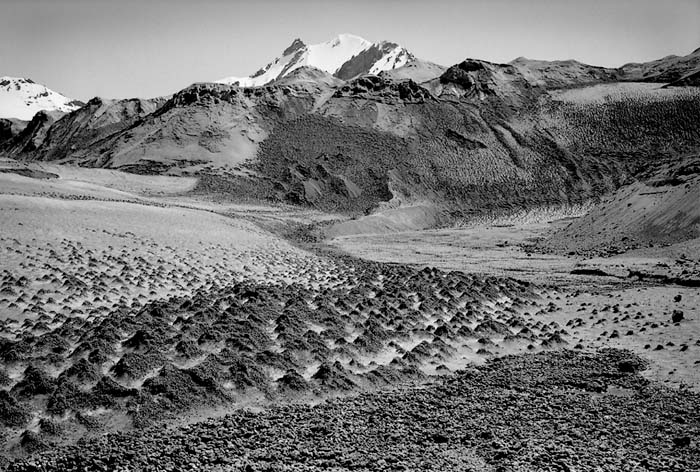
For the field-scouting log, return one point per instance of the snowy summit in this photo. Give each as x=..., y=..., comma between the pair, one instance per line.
x=23, y=98
x=345, y=56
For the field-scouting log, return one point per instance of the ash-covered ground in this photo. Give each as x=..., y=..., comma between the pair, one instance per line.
x=146, y=329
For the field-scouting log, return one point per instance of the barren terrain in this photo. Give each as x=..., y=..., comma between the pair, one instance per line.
x=130, y=304
x=481, y=267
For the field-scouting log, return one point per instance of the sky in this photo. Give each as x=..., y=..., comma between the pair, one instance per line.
x=148, y=48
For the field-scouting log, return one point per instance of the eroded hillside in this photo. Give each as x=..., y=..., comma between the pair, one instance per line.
x=481, y=137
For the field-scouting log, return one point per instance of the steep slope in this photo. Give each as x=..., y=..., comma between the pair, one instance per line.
x=10, y=127
x=689, y=80
x=345, y=56
x=27, y=141
x=660, y=208
x=308, y=75
x=205, y=125
x=23, y=98
x=481, y=137
x=376, y=58
x=83, y=128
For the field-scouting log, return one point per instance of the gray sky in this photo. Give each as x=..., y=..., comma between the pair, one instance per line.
x=146, y=48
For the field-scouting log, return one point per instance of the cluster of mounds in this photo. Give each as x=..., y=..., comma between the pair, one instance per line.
x=629, y=127
x=369, y=326
x=351, y=178
x=70, y=279
x=547, y=411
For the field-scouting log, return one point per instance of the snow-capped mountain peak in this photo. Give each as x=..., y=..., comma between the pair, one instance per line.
x=23, y=98
x=345, y=56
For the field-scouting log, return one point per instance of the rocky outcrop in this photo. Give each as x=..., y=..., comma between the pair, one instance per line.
x=382, y=89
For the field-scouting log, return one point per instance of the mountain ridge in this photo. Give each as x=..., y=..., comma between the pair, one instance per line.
x=346, y=56
x=22, y=98
x=474, y=137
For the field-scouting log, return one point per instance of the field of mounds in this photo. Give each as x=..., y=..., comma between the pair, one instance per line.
x=644, y=300
x=74, y=256
x=656, y=321
x=536, y=412
x=372, y=327
x=143, y=322
x=124, y=313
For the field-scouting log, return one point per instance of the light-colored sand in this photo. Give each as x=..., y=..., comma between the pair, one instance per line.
x=639, y=319
x=493, y=250
x=389, y=221
x=83, y=183
x=132, y=183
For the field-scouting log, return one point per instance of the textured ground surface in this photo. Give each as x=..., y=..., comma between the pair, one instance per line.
x=126, y=309
x=548, y=411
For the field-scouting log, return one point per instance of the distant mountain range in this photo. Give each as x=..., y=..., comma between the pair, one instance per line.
x=354, y=126
x=348, y=56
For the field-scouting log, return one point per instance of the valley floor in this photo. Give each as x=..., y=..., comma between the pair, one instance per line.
x=127, y=302
x=596, y=296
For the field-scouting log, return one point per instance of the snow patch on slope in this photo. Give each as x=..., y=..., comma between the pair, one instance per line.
x=395, y=58
x=331, y=55
x=23, y=98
